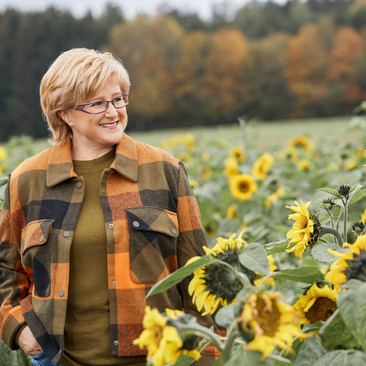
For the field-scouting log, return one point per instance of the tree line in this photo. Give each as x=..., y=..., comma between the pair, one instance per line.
x=266, y=61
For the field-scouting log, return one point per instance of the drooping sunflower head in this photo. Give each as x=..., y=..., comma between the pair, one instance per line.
x=318, y=302
x=161, y=339
x=242, y=186
x=350, y=265
x=216, y=284
x=262, y=166
x=305, y=230
x=270, y=323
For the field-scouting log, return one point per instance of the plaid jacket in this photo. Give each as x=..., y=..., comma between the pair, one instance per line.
x=152, y=225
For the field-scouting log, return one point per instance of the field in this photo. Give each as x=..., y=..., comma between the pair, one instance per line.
x=283, y=208
x=265, y=134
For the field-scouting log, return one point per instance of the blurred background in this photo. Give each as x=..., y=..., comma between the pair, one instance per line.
x=192, y=63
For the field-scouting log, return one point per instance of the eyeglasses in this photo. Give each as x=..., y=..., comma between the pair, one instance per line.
x=101, y=106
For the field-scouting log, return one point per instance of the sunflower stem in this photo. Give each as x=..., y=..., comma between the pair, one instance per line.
x=345, y=221
x=203, y=332
x=231, y=334
x=329, y=230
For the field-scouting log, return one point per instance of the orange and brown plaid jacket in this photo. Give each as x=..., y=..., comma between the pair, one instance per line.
x=152, y=224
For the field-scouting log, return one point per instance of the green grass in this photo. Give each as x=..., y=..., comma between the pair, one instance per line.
x=265, y=134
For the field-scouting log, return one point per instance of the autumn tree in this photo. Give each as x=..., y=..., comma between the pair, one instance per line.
x=345, y=58
x=307, y=65
x=265, y=93
x=223, y=75
x=149, y=49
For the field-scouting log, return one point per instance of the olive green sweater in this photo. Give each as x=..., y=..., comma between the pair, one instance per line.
x=87, y=335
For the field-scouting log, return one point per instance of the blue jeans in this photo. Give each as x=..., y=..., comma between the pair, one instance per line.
x=40, y=359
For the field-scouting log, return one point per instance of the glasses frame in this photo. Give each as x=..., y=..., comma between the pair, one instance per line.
x=80, y=107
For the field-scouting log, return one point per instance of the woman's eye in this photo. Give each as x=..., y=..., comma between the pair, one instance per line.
x=96, y=104
x=118, y=99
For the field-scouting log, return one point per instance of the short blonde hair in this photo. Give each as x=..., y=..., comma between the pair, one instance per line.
x=73, y=77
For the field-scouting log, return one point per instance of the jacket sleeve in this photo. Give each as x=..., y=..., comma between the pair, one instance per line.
x=14, y=283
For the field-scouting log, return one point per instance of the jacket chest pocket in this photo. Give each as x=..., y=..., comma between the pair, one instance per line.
x=153, y=234
x=36, y=254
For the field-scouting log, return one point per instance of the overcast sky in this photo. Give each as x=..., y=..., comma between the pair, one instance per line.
x=130, y=7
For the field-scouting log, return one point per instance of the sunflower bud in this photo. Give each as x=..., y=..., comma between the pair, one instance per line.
x=358, y=227
x=328, y=204
x=344, y=190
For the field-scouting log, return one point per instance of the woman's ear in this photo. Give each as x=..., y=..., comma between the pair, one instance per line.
x=65, y=115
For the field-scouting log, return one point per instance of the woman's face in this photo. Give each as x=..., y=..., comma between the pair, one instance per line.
x=93, y=135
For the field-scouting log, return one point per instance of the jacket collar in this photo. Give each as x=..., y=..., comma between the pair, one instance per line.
x=60, y=167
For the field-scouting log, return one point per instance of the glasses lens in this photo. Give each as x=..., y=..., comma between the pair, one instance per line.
x=97, y=107
x=121, y=101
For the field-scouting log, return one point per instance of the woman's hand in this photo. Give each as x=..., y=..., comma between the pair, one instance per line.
x=28, y=343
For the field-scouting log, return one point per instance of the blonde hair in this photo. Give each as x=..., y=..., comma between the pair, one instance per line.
x=73, y=77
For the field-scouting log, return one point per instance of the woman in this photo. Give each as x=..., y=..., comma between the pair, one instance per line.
x=90, y=224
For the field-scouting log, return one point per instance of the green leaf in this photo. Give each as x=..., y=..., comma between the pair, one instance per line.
x=305, y=274
x=176, y=277
x=225, y=316
x=254, y=257
x=184, y=360
x=332, y=191
x=352, y=307
x=276, y=247
x=359, y=194
x=245, y=357
x=320, y=252
x=280, y=361
x=310, y=351
x=334, y=333
x=342, y=358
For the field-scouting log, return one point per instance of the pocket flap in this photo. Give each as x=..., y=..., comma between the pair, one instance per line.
x=149, y=218
x=36, y=233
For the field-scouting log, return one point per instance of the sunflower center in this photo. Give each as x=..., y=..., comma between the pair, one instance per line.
x=243, y=187
x=303, y=223
x=157, y=334
x=268, y=317
x=357, y=267
x=322, y=309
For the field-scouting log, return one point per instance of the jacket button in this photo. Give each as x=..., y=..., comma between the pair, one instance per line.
x=135, y=224
x=111, y=225
x=61, y=293
x=114, y=283
x=79, y=184
x=115, y=343
x=173, y=230
x=66, y=234
x=41, y=238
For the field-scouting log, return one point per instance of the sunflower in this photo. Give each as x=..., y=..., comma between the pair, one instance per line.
x=242, y=186
x=215, y=284
x=350, y=265
x=269, y=323
x=304, y=164
x=231, y=212
x=231, y=167
x=162, y=340
x=268, y=202
x=262, y=166
x=301, y=142
x=318, y=303
x=305, y=230
x=272, y=268
x=363, y=216
x=238, y=153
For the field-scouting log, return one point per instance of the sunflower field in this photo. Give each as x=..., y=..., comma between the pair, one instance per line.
x=285, y=267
